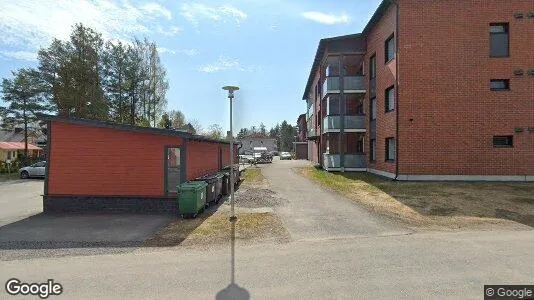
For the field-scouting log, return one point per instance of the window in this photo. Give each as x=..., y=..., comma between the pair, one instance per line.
x=390, y=149
x=499, y=40
x=372, y=150
x=390, y=48
x=360, y=144
x=506, y=141
x=40, y=164
x=372, y=67
x=390, y=99
x=500, y=84
x=373, y=109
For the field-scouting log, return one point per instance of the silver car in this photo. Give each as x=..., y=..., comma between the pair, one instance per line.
x=35, y=170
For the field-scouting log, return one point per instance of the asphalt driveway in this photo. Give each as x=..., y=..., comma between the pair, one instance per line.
x=20, y=199
x=24, y=226
x=311, y=212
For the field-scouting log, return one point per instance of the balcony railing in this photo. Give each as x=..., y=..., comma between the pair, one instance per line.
x=351, y=122
x=350, y=83
x=351, y=161
x=312, y=133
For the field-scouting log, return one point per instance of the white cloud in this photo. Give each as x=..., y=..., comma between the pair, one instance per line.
x=26, y=25
x=164, y=50
x=20, y=55
x=225, y=63
x=171, y=31
x=156, y=9
x=196, y=12
x=324, y=18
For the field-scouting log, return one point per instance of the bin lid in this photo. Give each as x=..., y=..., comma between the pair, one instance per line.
x=210, y=178
x=192, y=185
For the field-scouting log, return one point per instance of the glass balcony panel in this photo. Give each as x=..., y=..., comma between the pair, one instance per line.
x=351, y=122
x=355, y=161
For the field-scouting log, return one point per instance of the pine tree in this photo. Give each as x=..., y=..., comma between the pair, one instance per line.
x=23, y=95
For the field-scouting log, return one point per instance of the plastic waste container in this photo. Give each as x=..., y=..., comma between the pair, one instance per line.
x=225, y=183
x=191, y=198
x=236, y=174
x=213, y=189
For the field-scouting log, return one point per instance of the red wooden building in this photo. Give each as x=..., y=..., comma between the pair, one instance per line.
x=100, y=166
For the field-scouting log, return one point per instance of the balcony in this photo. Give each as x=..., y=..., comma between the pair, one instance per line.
x=332, y=162
x=351, y=124
x=312, y=134
x=351, y=84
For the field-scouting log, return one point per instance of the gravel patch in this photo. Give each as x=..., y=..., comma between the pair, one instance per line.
x=251, y=197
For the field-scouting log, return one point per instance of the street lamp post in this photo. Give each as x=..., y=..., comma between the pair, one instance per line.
x=231, y=90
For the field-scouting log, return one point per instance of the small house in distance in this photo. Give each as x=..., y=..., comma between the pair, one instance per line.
x=249, y=143
x=101, y=166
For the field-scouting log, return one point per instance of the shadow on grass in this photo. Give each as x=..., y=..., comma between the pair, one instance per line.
x=503, y=200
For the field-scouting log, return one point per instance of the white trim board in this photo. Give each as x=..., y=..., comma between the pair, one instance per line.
x=402, y=177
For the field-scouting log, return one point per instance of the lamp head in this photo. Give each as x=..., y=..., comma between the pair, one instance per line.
x=230, y=90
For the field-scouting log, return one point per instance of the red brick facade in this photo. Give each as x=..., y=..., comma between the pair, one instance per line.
x=445, y=111
x=448, y=115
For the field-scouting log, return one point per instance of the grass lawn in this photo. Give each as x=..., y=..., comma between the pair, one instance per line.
x=435, y=204
x=252, y=175
x=216, y=229
x=6, y=177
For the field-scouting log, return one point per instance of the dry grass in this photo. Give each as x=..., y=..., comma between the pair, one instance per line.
x=216, y=229
x=8, y=177
x=436, y=205
x=252, y=176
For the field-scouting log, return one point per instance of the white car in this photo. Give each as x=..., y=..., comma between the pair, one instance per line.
x=285, y=155
x=35, y=170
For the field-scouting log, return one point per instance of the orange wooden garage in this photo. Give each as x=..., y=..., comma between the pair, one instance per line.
x=100, y=166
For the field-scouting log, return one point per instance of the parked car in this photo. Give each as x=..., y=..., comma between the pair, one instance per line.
x=285, y=155
x=246, y=159
x=35, y=170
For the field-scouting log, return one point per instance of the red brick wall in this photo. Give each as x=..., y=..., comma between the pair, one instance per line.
x=97, y=161
x=385, y=122
x=448, y=115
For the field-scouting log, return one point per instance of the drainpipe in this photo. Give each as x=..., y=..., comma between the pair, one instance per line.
x=395, y=2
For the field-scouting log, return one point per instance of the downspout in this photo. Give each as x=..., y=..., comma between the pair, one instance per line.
x=395, y=2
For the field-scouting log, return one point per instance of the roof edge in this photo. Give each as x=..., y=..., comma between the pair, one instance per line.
x=127, y=127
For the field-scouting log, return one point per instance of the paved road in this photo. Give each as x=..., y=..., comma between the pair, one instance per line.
x=417, y=266
x=20, y=199
x=312, y=212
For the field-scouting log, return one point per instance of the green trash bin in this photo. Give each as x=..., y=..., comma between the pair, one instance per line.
x=191, y=198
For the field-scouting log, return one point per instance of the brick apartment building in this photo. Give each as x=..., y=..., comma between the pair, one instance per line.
x=430, y=90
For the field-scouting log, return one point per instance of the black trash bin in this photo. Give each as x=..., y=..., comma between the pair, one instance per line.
x=213, y=189
x=235, y=169
x=225, y=183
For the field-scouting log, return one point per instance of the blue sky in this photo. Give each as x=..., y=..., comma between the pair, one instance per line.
x=266, y=47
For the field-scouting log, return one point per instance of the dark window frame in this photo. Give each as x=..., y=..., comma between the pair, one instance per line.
x=386, y=99
x=509, y=143
x=507, y=33
x=372, y=150
x=506, y=85
x=372, y=66
x=386, y=52
x=387, y=149
x=372, y=115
